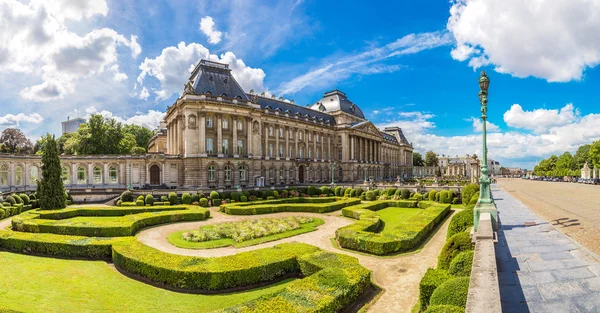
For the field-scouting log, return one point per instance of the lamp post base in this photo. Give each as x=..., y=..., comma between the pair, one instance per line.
x=482, y=207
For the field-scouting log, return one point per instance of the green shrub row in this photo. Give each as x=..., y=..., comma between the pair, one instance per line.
x=314, y=205
x=362, y=236
x=460, y=222
x=34, y=222
x=6, y=210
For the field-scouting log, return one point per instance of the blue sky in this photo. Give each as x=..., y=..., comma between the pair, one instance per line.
x=413, y=64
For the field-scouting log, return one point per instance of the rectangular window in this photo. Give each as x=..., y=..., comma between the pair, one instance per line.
x=281, y=133
x=209, y=122
x=281, y=152
x=209, y=145
x=270, y=150
x=310, y=153
x=240, y=126
x=240, y=146
x=271, y=131
x=317, y=154
x=225, y=124
x=225, y=146
x=291, y=152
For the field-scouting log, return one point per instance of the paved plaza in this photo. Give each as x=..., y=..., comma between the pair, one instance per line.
x=541, y=269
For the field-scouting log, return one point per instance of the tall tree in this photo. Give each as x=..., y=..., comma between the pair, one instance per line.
x=418, y=159
x=595, y=154
x=431, y=159
x=100, y=136
x=581, y=157
x=142, y=134
x=564, y=164
x=13, y=140
x=50, y=190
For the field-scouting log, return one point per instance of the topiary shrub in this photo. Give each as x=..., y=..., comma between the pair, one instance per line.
x=432, y=279
x=353, y=193
x=437, y=197
x=432, y=195
x=140, y=198
x=359, y=192
x=376, y=192
x=455, y=201
x=119, y=202
x=204, y=202
x=243, y=199
x=405, y=194
x=172, y=198
x=338, y=191
x=214, y=195
x=453, y=292
x=127, y=196
x=325, y=190
x=139, y=202
x=11, y=200
x=363, y=196
x=450, y=196
x=461, y=264
x=18, y=199
x=454, y=245
x=236, y=196
x=460, y=222
x=417, y=196
x=186, y=198
x=444, y=309
x=149, y=200
x=468, y=191
x=370, y=196
x=313, y=191
x=474, y=199
x=195, y=197
x=391, y=192
x=426, y=196
x=25, y=198
x=347, y=192
x=443, y=196
x=164, y=199
x=216, y=202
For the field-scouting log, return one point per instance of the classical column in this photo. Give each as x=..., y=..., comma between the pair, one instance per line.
x=219, y=134
x=234, y=121
x=314, y=138
x=352, y=139
x=329, y=143
x=202, y=127
x=322, y=136
x=277, y=145
x=266, y=146
x=249, y=148
x=286, y=133
x=296, y=155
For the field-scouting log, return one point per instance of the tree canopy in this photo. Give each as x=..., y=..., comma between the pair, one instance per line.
x=565, y=164
x=431, y=159
x=50, y=190
x=418, y=159
x=13, y=140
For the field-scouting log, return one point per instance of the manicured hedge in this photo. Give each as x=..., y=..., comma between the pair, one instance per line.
x=7, y=211
x=444, y=309
x=432, y=279
x=454, y=245
x=136, y=219
x=314, y=205
x=460, y=222
x=462, y=264
x=361, y=235
x=452, y=292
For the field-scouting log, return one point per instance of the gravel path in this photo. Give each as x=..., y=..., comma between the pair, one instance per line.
x=571, y=208
x=399, y=275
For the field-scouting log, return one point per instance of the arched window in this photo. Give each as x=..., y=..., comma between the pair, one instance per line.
x=309, y=153
x=301, y=152
x=340, y=173
x=18, y=176
x=281, y=173
x=310, y=173
x=211, y=173
x=3, y=175
x=271, y=173
x=97, y=175
x=80, y=175
x=64, y=175
x=292, y=173
x=112, y=175
x=227, y=173
x=270, y=131
x=243, y=173
x=263, y=172
x=33, y=175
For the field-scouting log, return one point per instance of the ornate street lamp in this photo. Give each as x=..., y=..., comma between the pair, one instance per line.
x=485, y=202
x=332, y=166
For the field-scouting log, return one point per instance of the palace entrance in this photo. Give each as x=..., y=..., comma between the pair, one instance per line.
x=154, y=175
x=301, y=174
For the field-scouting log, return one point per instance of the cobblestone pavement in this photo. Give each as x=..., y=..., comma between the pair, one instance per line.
x=541, y=269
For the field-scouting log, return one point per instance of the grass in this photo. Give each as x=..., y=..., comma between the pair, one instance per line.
x=392, y=217
x=39, y=284
x=177, y=240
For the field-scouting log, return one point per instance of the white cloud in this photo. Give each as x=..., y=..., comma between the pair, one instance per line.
x=478, y=126
x=173, y=66
x=368, y=62
x=150, y=119
x=540, y=120
x=551, y=39
x=38, y=40
x=144, y=94
x=207, y=26
x=10, y=119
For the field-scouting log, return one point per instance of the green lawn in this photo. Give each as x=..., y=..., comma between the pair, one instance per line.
x=177, y=240
x=394, y=216
x=39, y=284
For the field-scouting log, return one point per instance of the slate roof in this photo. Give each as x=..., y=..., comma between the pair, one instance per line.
x=293, y=109
x=216, y=78
x=335, y=101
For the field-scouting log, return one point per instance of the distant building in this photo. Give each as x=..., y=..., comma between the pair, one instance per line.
x=71, y=125
x=158, y=142
x=452, y=167
x=493, y=167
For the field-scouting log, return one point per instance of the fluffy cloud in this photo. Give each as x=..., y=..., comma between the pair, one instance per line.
x=150, y=119
x=478, y=126
x=37, y=40
x=207, y=26
x=520, y=37
x=540, y=120
x=173, y=66
x=15, y=120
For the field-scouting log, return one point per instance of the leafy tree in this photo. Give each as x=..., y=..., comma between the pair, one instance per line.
x=581, y=157
x=418, y=159
x=564, y=164
x=142, y=134
x=431, y=159
x=595, y=154
x=50, y=190
x=13, y=140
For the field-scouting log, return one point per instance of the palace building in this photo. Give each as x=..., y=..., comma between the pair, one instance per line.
x=216, y=135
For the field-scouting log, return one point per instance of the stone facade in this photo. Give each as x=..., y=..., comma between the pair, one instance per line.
x=218, y=136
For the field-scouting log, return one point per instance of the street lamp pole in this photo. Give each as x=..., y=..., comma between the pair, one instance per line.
x=332, y=165
x=485, y=202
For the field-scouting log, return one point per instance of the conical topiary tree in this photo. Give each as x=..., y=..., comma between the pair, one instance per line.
x=50, y=190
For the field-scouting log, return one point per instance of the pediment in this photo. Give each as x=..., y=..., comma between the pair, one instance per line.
x=368, y=128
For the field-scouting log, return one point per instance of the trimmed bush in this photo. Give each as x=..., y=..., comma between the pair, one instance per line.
x=370, y=196
x=204, y=202
x=359, y=192
x=405, y=194
x=453, y=292
x=127, y=196
x=243, y=199
x=347, y=192
x=216, y=202
x=149, y=200
x=417, y=196
x=454, y=245
x=468, y=191
x=313, y=191
x=451, y=196
x=315, y=205
x=164, y=199
x=432, y=195
x=376, y=192
x=119, y=202
x=437, y=197
x=398, y=193
x=353, y=193
x=11, y=200
x=172, y=198
x=195, y=197
x=444, y=309
x=139, y=202
x=460, y=222
x=214, y=195
x=186, y=198
x=24, y=198
x=432, y=279
x=426, y=196
x=443, y=196
x=474, y=199
x=461, y=264
x=18, y=199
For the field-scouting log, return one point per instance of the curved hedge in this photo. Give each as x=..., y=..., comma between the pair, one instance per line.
x=460, y=222
x=313, y=205
x=461, y=264
x=133, y=220
x=432, y=279
x=444, y=309
x=454, y=245
x=362, y=236
x=452, y=292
